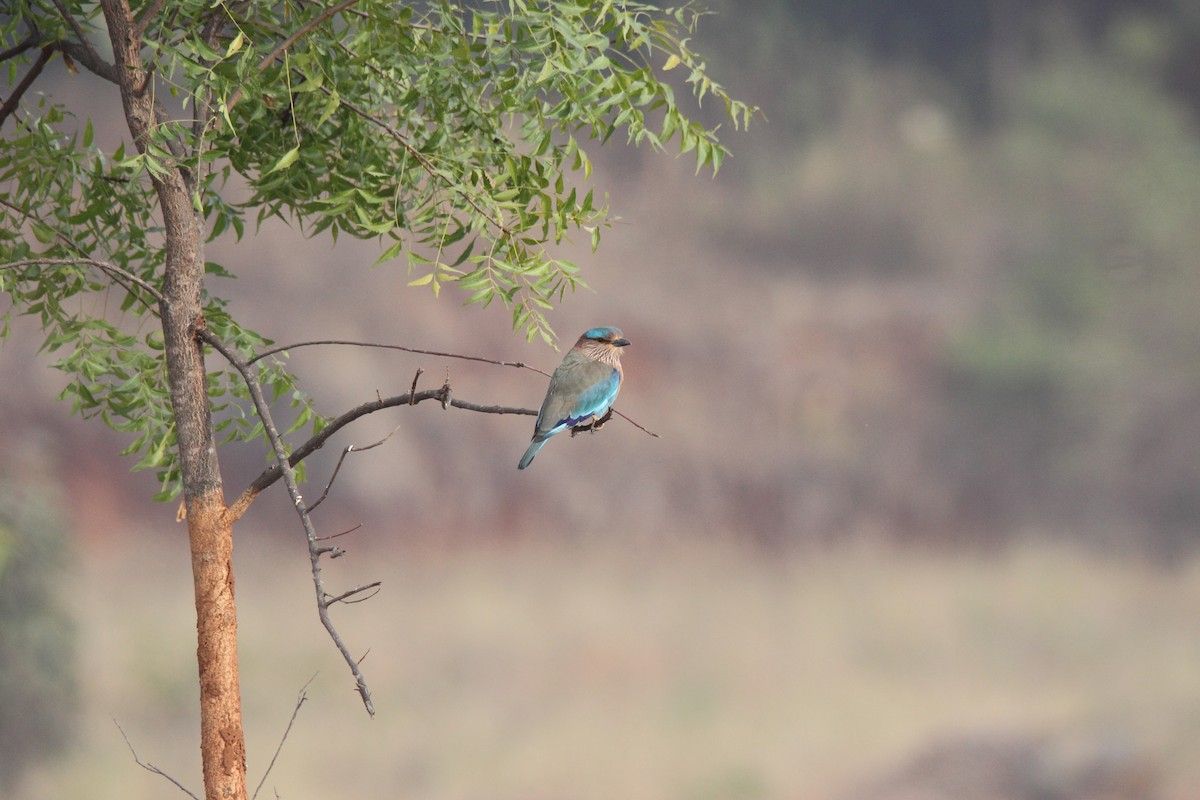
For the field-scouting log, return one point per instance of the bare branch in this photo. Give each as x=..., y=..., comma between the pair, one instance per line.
x=299, y=702
x=352, y=448
x=342, y=533
x=150, y=767
x=76, y=27
x=28, y=43
x=417, y=350
x=344, y=597
x=10, y=105
x=272, y=474
x=289, y=477
x=412, y=391
x=634, y=424
x=94, y=63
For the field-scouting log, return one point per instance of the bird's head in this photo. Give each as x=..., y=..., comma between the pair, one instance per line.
x=605, y=336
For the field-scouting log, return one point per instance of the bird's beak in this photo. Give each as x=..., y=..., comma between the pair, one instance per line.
x=620, y=342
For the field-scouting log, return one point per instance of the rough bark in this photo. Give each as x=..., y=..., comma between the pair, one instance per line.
x=210, y=528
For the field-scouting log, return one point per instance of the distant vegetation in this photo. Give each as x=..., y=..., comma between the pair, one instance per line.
x=37, y=638
x=1036, y=167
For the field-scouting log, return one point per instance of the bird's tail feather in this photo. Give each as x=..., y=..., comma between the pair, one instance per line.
x=532, y=451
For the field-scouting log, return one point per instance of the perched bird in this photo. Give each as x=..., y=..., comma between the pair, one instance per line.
x=582, y=389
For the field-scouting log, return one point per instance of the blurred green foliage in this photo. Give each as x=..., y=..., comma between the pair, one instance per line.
x=1034, y=169
x=452, y=134
x=37, y=637
x=1092, y=327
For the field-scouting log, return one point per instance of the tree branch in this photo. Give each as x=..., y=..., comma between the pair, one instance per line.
x=345, y=596
x=76, y=27
x=10, y=105
x=289, y=477
x=28, y=43
x=348, y=449
x=272, y=473
x=94, y=63
x=82, y=51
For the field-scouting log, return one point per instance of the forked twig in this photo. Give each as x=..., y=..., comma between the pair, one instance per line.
x=150, y=767
x=344, y=597
x=315, y=550
x=348, y=448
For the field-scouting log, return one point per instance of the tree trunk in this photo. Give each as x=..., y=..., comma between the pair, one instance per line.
x=210, y=530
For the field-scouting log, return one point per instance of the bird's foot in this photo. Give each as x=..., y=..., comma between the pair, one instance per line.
x=594, y=425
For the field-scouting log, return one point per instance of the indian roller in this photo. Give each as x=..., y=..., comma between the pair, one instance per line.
x=582, y=389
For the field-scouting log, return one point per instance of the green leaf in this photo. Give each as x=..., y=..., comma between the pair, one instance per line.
x=235, y=45
x=286, y=160
x=42, y=232
x=389, y=254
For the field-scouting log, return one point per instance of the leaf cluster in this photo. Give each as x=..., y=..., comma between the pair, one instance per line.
x=452, y=133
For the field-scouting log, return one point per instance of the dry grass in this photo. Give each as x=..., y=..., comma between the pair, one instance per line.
x=644, y=671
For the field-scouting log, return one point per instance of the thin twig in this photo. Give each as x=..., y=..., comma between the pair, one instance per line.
x=202, y=99
x=354, y=448
x=412, y=392
x=417, y=350
x=299, y=702
x=104, y=266
x=289, y=477
x=148, y=766
x=634, y=424
x=336, y=535
x=344, y=596
x=118, y=275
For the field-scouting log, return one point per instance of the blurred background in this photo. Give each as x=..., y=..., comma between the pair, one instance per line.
x=922, y=521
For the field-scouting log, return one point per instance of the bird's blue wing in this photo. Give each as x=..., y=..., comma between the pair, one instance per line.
x=582, y=391
x=595, y=400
